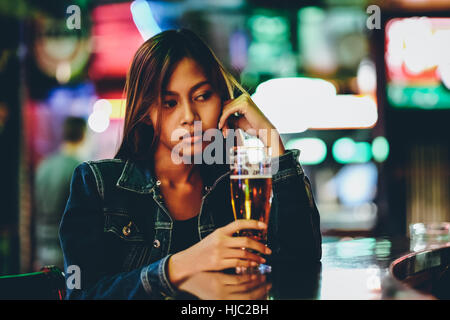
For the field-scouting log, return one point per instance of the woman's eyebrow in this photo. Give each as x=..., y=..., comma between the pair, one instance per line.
x=194, y=87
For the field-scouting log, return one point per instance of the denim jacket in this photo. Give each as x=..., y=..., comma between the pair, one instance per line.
x=117, y=231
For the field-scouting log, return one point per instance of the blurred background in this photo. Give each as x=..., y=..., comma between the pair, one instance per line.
x=362, y=88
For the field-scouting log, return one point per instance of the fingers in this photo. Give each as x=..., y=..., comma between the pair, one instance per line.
x=229, y=110
x=225, y=130
x=238, y=263
x=248, y=243
x=241, y=224
x=255, y=281
x=244, y=255
x=238, y=279
x=243, y=286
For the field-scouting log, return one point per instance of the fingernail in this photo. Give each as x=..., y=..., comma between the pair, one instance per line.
x=268, y=251
x=263, y=260
x=262, y=224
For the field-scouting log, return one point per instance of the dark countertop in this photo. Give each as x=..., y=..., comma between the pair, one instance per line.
x=359, y=268
x=355, y=269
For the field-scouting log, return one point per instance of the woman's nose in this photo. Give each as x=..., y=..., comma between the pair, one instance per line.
x=188, y=113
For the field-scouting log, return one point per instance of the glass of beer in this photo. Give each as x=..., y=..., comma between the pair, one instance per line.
x=251, y=189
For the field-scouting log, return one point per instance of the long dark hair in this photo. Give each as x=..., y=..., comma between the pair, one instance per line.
x=149, y=74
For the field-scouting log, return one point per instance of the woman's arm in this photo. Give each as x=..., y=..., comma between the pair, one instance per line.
x=83, y=244
x=294, y=226
x=252, y=121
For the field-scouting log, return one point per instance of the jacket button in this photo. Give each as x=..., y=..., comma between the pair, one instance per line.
x=158, y=183
x=156, y=243
x=127, y=229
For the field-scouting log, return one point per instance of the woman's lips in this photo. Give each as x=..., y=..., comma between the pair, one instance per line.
x=192, y=138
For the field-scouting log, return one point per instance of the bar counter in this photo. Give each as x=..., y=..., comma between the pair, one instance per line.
x=350, y=269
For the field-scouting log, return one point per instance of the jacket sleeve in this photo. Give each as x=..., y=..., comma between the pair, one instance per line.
x=88, y=275
x=294, y=225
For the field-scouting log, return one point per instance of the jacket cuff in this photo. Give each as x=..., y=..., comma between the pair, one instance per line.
x=154, y=279
x=286, y=166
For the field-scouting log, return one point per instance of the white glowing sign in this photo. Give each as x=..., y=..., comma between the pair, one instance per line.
x=297, y=104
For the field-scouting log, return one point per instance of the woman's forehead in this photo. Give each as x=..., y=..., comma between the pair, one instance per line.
x=186, y=74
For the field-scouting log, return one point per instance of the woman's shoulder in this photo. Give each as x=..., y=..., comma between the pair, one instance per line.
x=101, y=168
x=106, y=162
x=102, y=164
x=102, y=175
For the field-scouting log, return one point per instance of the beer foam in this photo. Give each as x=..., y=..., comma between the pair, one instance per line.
x=249, y=176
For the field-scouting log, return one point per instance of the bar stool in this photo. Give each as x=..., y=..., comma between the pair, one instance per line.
x=46, y=284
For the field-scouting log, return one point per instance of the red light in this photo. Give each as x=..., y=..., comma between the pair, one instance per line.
x=116, y=40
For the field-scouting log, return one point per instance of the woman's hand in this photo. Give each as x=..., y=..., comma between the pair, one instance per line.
x=251, y=120
x=218, y=251
x=222, y=286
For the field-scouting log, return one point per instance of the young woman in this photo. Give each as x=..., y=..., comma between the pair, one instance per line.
x=138, y=226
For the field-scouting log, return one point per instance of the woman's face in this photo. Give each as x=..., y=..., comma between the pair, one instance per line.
x=188, y=99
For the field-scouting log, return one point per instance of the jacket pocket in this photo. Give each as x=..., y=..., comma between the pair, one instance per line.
x=121, y=225
x=130, y=248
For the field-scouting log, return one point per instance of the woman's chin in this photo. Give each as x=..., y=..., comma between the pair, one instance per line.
x=193, y=152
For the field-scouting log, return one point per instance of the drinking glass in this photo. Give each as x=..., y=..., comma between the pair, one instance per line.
x=251, y=190
x=429, y=235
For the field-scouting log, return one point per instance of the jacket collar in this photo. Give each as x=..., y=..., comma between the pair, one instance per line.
x=139, y=178
x=136, y=178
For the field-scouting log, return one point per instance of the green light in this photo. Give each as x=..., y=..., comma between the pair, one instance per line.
x=311, y=14
x=380, y=149
x=270, y=50
x=383, y=248
x=363, y=152
x=312, y=150
x=345, y=150
x=356, y=248
x=269, y=28
x=421, y=97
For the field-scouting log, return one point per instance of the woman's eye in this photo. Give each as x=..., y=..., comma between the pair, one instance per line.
x=204, y=96
x=169, y=103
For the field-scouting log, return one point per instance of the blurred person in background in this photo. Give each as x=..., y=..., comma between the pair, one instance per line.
x=52, y=188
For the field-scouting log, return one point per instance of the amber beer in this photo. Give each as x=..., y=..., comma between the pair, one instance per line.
x=251, y=198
